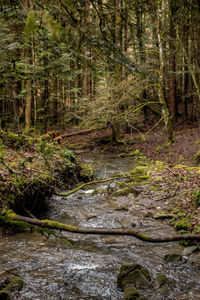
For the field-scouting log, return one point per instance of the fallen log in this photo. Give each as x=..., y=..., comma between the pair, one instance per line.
x=80, y=132
x=53, y=225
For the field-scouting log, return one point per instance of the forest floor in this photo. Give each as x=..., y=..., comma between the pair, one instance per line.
x=176, y=181
x=152, y=144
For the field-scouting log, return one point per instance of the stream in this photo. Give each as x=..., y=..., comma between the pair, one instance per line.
x=54, y=270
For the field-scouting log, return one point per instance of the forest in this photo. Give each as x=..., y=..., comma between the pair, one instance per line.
x=99, y=134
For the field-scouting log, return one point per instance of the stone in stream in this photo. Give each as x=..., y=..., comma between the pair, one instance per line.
x=162, y=280
x=131, y=293
x=189, y=250
x=173, y=257
x=135, y=275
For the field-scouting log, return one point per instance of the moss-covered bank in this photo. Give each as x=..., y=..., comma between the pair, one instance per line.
x=31, y=168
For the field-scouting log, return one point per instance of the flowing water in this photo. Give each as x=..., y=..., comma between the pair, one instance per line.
x=53, y=270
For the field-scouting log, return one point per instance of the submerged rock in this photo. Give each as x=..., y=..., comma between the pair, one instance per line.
x=173, y=257
x=135, y=275
x=130, y=292
x=162, y=280
x=189, y=250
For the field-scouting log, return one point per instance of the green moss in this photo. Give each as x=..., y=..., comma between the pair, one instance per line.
x=183, y=224
x=154, y=187
x=87, y=171
x=136, y=153
x=146, y=237
x=58, y=225
x=140, y=170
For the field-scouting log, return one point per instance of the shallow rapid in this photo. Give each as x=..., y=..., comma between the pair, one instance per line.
x=85, y=266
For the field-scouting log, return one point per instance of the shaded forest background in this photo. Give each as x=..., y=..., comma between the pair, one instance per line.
x=123, y=64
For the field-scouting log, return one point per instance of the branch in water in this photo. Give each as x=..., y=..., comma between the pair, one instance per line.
x=90, y=183
x=12, y=217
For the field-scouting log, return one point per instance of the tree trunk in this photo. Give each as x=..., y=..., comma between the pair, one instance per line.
x=172, y=62
x=165, y=111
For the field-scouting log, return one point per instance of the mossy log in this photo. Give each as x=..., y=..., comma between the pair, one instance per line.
x=80, y=132
x=53, y=225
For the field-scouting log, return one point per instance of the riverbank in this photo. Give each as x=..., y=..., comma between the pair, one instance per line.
x=32, y=168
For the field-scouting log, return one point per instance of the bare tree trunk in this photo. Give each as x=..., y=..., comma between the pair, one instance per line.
x=165, y=111
x=172, y=60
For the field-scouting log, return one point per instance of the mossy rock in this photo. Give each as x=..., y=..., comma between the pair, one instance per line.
x=123, y=192
x=130, y=292
x=5, y=295
x=133, y=274
x=162, y=280
x=14, y=285
x=173, y=257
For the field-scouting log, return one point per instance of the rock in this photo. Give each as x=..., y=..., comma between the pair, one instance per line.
x=135, y=275
x=14, y=285
x=172, y=257
x=189, y=250
x=162, y=280
x=130, y=292
x=5, y=295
